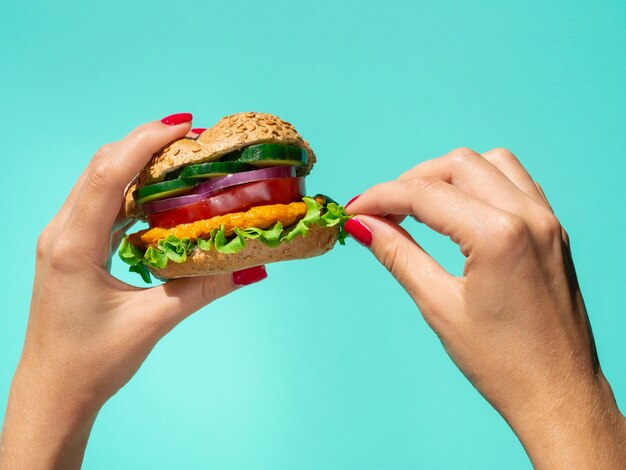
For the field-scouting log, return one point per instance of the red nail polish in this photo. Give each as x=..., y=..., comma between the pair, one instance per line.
x=249, y=276
x=357, y=230
x=178, y=118
x=198, y=130
x=351, y=201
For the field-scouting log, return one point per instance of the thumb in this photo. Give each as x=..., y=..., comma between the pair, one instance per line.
x=172, y=302
x=421, y=276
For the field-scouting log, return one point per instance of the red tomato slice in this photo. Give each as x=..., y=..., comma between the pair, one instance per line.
x=236, y=199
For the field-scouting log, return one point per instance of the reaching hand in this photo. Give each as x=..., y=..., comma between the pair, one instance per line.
x=515, y=322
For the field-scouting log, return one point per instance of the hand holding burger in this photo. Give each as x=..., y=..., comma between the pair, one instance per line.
x=88, y=332
x=232, y=198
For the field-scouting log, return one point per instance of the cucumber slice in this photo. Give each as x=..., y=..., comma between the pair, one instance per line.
x=162, y=190
x=214, y=169
x=268, y=155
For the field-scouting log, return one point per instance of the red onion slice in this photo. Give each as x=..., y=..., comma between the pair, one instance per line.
x=244, y=177
x=215, y=186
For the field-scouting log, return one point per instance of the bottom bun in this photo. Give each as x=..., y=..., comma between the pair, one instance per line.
x=317, y=241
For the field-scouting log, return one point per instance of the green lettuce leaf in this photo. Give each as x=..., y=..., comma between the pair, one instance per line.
x=142, y=270
x=133, y=256
x=155, y=257
x=203, y=244
x=233, y=246
x=269, y=237
x=176, y=250
x=300, y=228
x=129, y=253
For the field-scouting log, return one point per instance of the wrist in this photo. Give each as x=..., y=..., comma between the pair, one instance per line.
x=44, y=427
x=580, y=428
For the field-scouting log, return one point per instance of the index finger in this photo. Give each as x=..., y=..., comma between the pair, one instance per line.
x=468, y=221
x=99, y=199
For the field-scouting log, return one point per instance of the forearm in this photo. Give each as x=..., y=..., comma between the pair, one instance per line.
x=581, y=431
x=43, y=429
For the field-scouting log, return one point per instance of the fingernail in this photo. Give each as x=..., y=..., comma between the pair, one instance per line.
x=351, y=201
x=198, y=130
x=178, y=118
x=357, y=230
x=249, y=276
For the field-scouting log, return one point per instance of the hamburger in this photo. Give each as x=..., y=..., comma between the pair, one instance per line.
x=231, y=198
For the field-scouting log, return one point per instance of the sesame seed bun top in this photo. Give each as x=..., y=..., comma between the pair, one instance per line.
x=229, y=134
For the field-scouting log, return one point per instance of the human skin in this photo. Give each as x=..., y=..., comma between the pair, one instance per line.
x=515, y=323
x=88, y=332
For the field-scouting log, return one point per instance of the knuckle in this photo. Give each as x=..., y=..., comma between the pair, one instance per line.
x=103, y=152
x=462, y=155
x=389, y=258
x=100, y=173
x=419, y=184
x=547, y=227
x=43, y=243
x=502, y=154
x=141, y=134
x=100, y=167
x=509, y=232
x=61, y=254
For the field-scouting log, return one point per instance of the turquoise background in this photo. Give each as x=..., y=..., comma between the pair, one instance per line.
x=350, y=377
